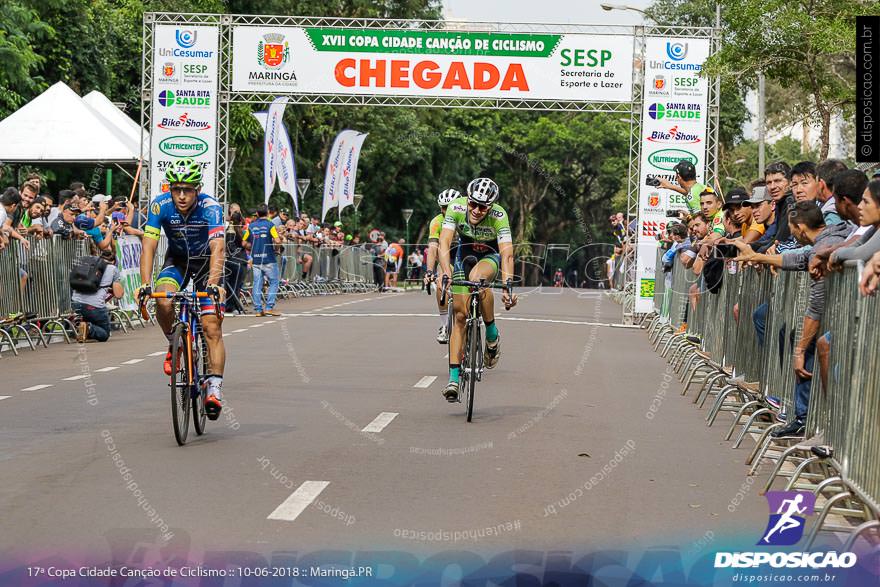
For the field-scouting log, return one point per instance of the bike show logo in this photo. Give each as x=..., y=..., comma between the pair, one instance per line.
x=183, y=146
x=188, y=98
x=667, y=159
x=273, y=54
x=675, y=111
x=673, y=136
x=186, y=38
x=184, y=121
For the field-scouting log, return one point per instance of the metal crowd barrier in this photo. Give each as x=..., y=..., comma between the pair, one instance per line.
x=35, y=301
x=845, y=475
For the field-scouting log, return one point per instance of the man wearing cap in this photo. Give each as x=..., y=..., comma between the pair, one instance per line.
x=686, y=177
x=763, y=213
x=741, y=214
x=63, y=225
x=90, y=227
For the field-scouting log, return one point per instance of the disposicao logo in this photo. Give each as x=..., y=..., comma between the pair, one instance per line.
x=676, y=51
x=186, y=38
x=787, y=511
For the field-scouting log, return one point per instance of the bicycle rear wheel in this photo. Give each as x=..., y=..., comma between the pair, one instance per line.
x=199, y=415
x=473, y=348
x=180, y=383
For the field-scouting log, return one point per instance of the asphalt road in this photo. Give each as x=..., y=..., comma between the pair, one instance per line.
x=564, y=450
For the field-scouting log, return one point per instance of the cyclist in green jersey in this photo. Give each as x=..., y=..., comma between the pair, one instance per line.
x=485, y=246
x=443, y=200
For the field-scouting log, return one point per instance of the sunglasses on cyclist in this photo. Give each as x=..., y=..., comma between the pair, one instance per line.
x=183, y=190
x=478, y=206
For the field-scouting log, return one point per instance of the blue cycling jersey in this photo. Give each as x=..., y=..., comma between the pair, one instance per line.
x=188, y=236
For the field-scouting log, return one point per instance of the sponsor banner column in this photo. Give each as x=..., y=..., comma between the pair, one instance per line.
x=185, y=65
x=674, y=122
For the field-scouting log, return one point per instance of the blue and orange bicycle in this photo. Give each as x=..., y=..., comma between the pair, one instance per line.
x=189, y=357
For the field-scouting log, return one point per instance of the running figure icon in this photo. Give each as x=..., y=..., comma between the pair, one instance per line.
x=786, y=524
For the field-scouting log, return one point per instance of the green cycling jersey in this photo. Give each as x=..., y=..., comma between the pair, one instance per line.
x=493, y=229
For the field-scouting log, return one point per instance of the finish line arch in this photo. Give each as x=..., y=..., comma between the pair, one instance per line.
x=196, y=65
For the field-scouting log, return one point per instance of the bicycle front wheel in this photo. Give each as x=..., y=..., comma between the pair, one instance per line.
x=181, y=377
x=473, y=348
x=200, y=417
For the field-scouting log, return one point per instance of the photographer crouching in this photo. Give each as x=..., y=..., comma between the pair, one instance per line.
x=94, y=281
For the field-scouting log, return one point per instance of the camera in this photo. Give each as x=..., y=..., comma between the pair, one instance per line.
x=652, y=181
x=673, y=213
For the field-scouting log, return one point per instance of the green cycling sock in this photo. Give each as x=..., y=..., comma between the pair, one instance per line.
x=454, y=372
x=491, y=331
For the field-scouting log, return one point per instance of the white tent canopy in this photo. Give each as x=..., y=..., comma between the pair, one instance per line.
x=59, y=127
x=114, y=115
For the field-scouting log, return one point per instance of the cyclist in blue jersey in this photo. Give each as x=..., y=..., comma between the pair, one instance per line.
x=193, y=226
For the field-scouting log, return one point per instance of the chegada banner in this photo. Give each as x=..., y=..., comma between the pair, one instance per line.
x=443, y=63
x=674, y=121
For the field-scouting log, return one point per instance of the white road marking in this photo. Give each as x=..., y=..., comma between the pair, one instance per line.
x=240, y=330
x=105, y=369
x=298, y=501
x=33, y=388
x=157, y=354
x=315, y=313
x=5, y=396
x=426, y=381
x=225, y=334
x=132, y=361
x=74, y=378
x=256, y=325
x=379, y=423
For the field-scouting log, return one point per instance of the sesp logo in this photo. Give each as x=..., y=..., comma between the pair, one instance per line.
x=186, y=38
x=787, y=517
x=676, y=51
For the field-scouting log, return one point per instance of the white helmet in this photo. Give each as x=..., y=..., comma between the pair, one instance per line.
x=483, y=191
x=446, y=196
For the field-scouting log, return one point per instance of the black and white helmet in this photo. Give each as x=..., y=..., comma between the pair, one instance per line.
x=483, y=191
x=446, y=196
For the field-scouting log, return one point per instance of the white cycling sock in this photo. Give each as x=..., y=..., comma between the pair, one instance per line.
x=215, y=383
x=444, y=317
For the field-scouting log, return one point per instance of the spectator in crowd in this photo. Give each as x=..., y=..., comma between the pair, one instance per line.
x=698, y=228
x=778, y=179
x=92, y=307
x=825, y=172
x=764, y=213
x=804, y=184
x=236, y=259
x=63, y=224
x=415, y=264
x=394, y=255
x=741, y=215
x=808, y=226
x=261, y=238
x=686, y=184
x=273, y=216
x=283, y=215
x=89, y=226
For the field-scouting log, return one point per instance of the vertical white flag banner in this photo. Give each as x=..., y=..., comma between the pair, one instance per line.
x=332, y=177
x=285, y=165
x=674, y=128
x=349, y=171
x=274, y=124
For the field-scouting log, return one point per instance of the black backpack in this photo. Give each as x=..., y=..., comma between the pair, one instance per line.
x=86, y=274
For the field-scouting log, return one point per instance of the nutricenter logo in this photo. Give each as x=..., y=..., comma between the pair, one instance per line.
x=183, y=146
x=666, y=159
